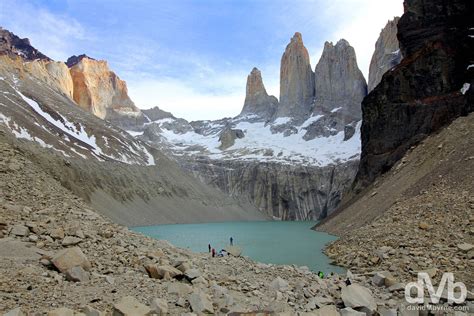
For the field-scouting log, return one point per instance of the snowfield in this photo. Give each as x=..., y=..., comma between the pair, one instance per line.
x=261, y=144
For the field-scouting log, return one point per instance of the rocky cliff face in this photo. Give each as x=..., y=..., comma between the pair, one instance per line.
x=54, y=73
x=296, y=80
x=100, y=91
x=257, y=101
x=12, y=45
x=386, y=55
x=282, y=191
x=429, y=88
x=338, y=81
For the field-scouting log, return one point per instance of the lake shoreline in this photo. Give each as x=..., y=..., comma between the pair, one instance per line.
x=256, y=238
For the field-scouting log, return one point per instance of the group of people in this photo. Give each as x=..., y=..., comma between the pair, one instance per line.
x=222, y=252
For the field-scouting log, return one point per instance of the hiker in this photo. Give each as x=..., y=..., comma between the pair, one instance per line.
x=231, y=241
x=348, y=282
x=321, y=274
x=213, y=252
x=209, y=246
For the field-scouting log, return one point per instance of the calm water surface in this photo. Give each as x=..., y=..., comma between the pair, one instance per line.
x=268, y=242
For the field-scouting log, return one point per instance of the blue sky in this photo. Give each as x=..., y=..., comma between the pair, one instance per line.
x=192, y=57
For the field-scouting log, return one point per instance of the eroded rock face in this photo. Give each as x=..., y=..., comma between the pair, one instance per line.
x=386, y=55
x=12, y=45
x=338, y=81
x=282, y=191
x=54, y=73
x=257, y=101
x=296, y=80
x=429, y=88
x=99, y=90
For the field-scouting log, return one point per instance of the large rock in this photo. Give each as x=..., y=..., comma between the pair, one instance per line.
x=15, y=312
x=386, y=55
x=69, y=258
x=355, y=296
x=296, y=80
x=181, y=289
x=327, y=310
x=423, y=93
x=130, y=306
x=70, y=241
x=465, y=247
x=77, y=274
x=89, y=311
x=278, y=284
x=338, y=81
x=61, y=312
x=159, y=306
x=20, y=230
x=201, y=303
x=257, y=101
x=351, y=312
x=160, y=272
x=228, y=136
x=235, y=251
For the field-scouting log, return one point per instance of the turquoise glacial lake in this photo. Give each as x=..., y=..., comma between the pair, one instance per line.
x=276, y=242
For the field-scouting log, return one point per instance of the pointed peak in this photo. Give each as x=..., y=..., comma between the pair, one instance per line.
x=328, y=44
x=297, y=37
x=255, y=70
x=342, y=42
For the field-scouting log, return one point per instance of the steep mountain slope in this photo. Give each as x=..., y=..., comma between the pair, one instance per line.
x=292, y=167
x=414, y=217
x=124, y=178
x=426, y=91
x=412, y=201
x=387, y=53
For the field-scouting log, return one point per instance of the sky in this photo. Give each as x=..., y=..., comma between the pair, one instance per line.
x=192, y=57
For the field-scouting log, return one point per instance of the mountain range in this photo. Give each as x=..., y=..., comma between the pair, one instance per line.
x=290, y=158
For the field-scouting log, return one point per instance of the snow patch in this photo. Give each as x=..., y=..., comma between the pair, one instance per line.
x=259, y=143
x=310, y=121
x=465, y=88
x=281, y=120
x=134, y=134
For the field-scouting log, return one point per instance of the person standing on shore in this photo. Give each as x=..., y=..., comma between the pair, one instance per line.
x=209, y=246
x=213, y=252
x=231, y=241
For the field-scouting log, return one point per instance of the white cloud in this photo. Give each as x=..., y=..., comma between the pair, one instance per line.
x=54, y=35
x=184, y=100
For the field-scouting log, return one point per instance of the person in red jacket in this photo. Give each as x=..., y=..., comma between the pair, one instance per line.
x=213, y=252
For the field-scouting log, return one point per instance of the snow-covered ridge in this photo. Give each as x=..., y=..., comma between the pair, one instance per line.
x=75, y=138
x=260, y=142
